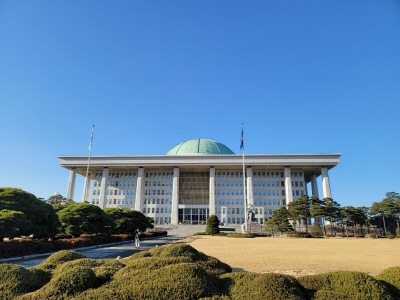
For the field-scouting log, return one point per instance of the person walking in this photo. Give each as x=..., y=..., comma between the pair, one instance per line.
x=137, y=238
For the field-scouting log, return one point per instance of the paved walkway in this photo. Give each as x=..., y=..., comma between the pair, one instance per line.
x=123, y=249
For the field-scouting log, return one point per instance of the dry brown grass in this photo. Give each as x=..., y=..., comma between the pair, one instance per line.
x=300, y=256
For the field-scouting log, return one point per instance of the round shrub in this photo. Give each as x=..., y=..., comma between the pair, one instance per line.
x=268, y=286
x=16, y=280
x=63, y=286
x=346, y=284
x=215, y=266
x=391, y=236
x=372, y=236
x=152, y=263
x=104, y=269
x=59, y=258
x=176, y=250
x=391, y=279
x=184, y=281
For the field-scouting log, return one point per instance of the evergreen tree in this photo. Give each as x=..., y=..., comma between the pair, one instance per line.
x=316, y=230
x=212, y=225
x=41, y=216
x=300, y=209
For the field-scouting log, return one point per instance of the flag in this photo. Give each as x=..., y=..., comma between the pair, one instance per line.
x=242, y=140
x=91, y=139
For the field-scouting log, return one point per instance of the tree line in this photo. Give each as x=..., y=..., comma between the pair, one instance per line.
x=384, y=214
x=22, y=214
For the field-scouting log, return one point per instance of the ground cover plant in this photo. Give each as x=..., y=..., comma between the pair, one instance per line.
x=179, y=271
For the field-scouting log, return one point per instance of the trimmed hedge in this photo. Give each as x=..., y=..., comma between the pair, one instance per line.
x=391, y=279
x=16, y=248
x=344, y=285
x=179, y=271
x=16, y=280
x=180, y=281
x=67, y=284
x=269, y=286
x=58, y=258
x=240, y=235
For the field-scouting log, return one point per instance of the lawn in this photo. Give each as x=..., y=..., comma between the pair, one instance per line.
x=301, y=256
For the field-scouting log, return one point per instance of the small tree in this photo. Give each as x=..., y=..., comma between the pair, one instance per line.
x=212, y=225
x=316, y=230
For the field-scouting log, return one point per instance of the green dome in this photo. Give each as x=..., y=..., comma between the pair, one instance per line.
x=199, y=146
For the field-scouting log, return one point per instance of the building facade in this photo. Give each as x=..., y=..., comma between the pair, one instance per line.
x=198, y=178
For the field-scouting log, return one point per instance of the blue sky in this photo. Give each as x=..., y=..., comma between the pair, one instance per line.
x=303, y=77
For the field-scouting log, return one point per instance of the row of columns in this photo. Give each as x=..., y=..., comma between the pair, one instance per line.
x=175, y=188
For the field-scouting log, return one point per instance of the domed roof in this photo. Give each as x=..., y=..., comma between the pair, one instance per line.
x=199, y=146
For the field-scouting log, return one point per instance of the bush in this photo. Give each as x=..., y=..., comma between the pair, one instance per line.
x=176, y=250
x=16, y=280
x=67, y=284
x=357, y=235
x=372, y=236
x=253, y=286
x=180, y=281
x=300, y=234
x=344, y=285
x=212, y=225
x=391, y=236
x=316, y=230
x=59, y=258
x=240, y=235
x=391, y=279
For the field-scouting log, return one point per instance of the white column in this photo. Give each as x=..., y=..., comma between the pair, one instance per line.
x=175, y=197
x=326, y=188
x=86, y=189
x=139, y=190
x=314, y=186
x=288, y=186
x=211, y=203
x=71, y=184
x=103, y=189
x=250, y=186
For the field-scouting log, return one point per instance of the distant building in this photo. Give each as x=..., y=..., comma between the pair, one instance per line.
x=198, y=178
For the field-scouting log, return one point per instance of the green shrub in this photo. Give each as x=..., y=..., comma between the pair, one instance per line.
x=104, y=269
x=240, y=235
x=212, y=225
x=175, y=250
x=67, y=284
x=270, y=286
x=316, y=230
x=344, y=285
x=391, y=236
x=181, y=281
x=152, y=263
x=59, y=258
x=391, y=279
x=16, y=280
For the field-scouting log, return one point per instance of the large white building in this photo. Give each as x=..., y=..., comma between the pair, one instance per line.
x=198, y=178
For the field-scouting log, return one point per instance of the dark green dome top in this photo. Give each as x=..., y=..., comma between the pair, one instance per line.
x=199, y=146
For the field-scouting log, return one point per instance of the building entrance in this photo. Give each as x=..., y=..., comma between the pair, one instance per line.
x=193, y=215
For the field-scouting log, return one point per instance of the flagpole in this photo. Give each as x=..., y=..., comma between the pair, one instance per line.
x=244, y=182
x=87, y=169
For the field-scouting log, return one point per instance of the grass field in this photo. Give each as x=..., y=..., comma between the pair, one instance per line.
x=300, y=256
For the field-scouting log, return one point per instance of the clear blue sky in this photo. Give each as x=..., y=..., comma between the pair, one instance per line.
x=303, y=76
